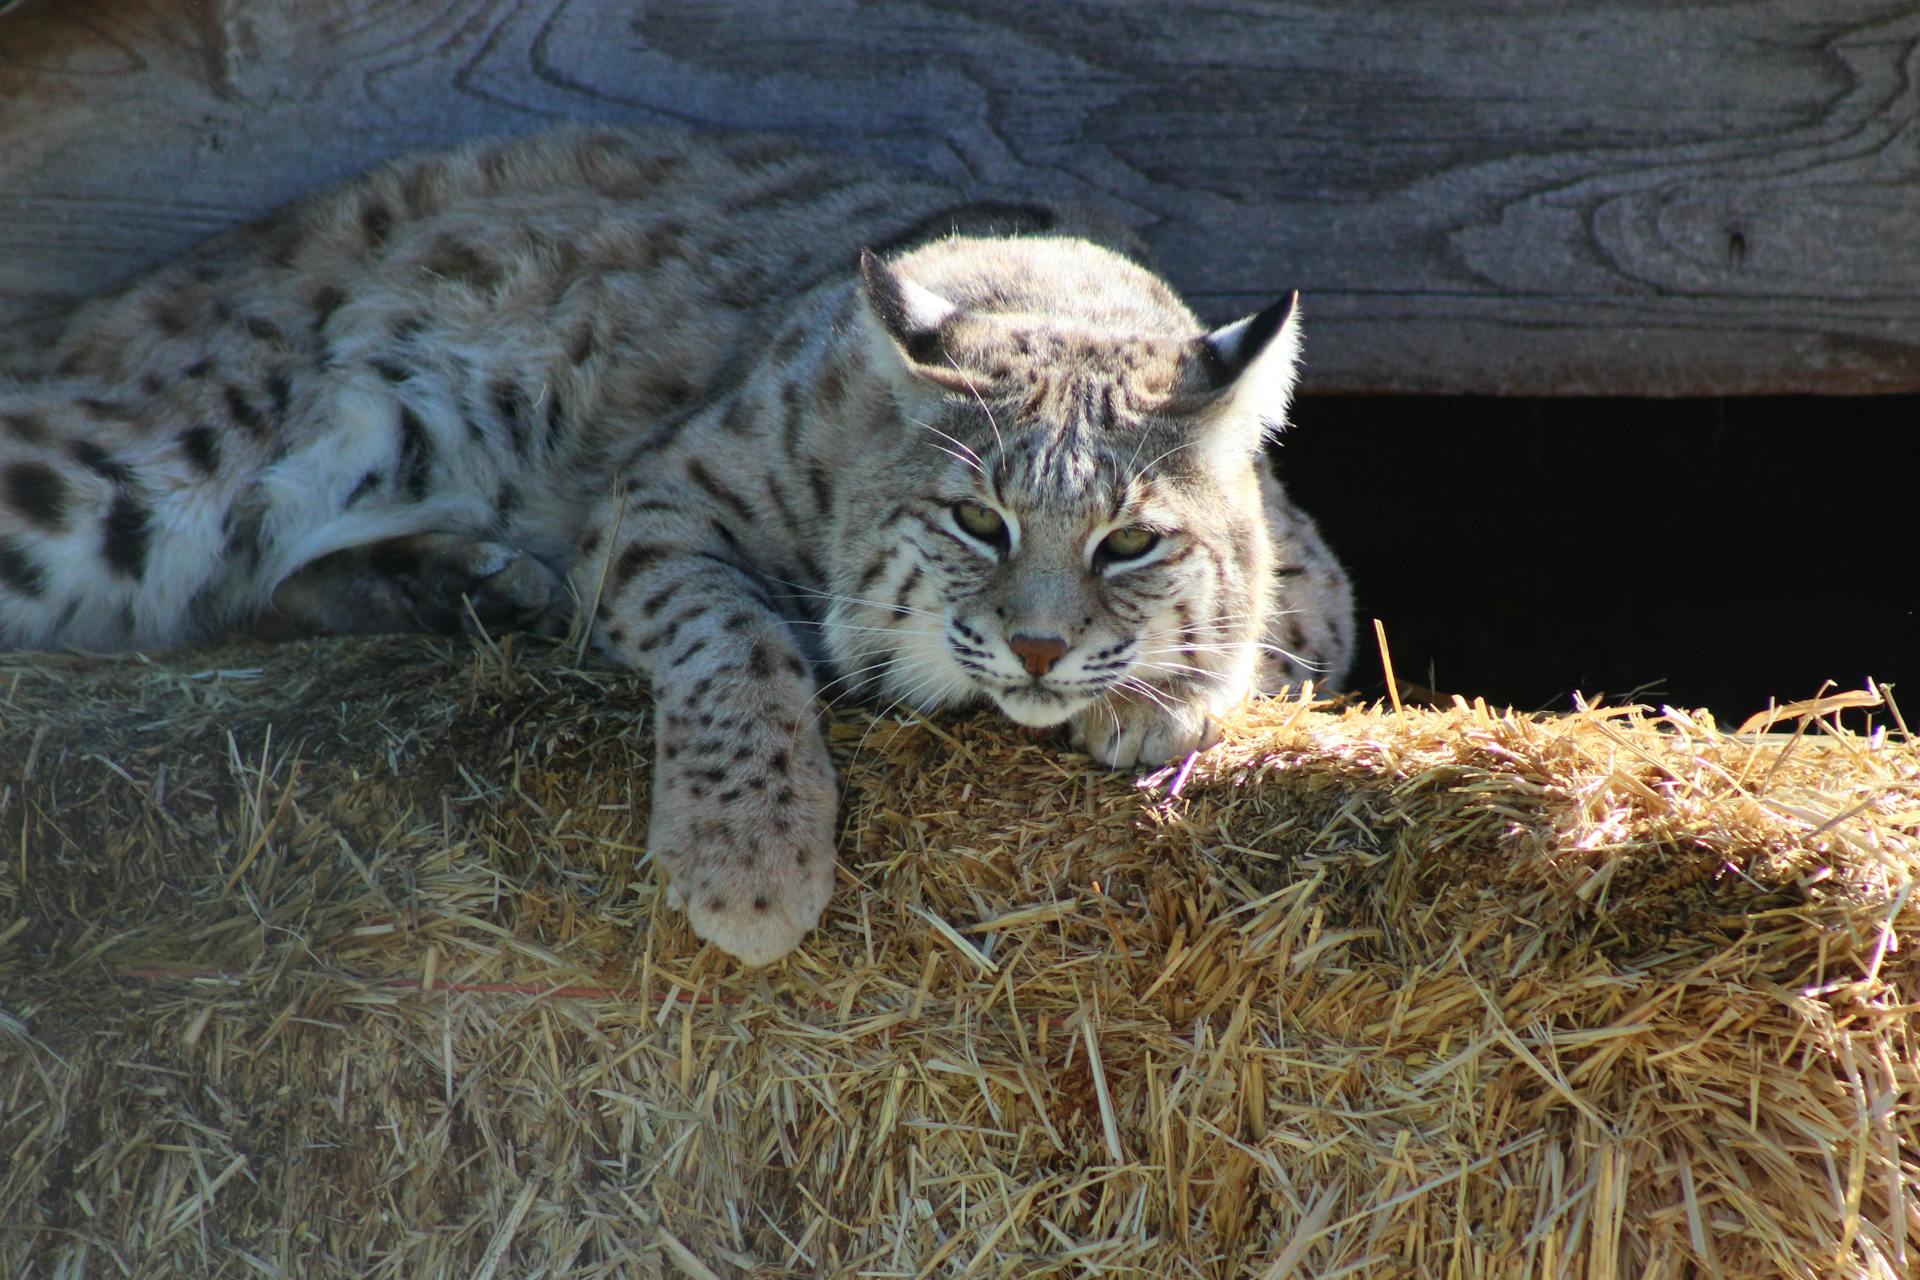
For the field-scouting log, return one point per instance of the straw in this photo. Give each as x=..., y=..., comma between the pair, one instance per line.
x=345, y=959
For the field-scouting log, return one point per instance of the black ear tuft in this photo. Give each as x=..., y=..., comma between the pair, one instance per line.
x=1230, y=349
x=910, y=315
x=908, y=333
x=883, y=293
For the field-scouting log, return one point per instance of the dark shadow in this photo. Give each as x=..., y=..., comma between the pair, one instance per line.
x=1705, y=552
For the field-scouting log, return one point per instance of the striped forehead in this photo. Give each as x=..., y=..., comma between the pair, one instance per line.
x=1049, y=466
x=1084, y=397
x=1072, y=466
x=1079, y=425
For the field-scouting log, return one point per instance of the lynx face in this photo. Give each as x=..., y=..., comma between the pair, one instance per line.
x=1086, y=523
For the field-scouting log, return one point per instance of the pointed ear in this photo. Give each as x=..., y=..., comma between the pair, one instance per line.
x=1238, y=383
x=1253, y=362
x=904, y=325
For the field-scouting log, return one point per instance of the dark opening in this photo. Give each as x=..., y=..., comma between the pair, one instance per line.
x=1690, y=552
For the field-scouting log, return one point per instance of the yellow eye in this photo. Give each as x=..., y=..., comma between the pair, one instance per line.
x=1129, y=543
x=983, y=522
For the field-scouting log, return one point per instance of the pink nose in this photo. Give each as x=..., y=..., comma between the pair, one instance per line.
x=1039, y=653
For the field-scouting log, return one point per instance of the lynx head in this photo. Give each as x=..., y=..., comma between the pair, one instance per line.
x=1076, y=507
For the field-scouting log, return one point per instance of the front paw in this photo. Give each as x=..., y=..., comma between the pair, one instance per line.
x=1129, y=733
x=751, y=865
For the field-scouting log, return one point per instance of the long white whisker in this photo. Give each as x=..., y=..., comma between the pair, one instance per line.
x=915, y=693
x=1185, y=444
x=960, y=458
x=827, y=624
x=898, y=610
x=881, y=660
x=1159, y=697
x=970, y=458
x=884, y=663
x=1236, y=650
x=1257, y=646
x=998, y=443
x=1183, y=669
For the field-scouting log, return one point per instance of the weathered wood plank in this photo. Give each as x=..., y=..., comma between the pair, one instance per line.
x=1474, y=195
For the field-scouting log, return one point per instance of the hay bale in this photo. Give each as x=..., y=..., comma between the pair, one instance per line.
x=334, y=960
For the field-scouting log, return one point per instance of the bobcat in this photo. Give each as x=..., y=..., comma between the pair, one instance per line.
x=750, y=413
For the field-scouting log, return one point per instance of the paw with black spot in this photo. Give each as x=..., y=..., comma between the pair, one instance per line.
x=748, y=844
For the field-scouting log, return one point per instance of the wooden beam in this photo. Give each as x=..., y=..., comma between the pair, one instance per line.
x=1609, y=196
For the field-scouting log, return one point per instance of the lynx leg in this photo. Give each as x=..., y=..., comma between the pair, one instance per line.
x=1310, y=627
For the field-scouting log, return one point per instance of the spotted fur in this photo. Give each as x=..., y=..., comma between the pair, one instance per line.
x=653, y=378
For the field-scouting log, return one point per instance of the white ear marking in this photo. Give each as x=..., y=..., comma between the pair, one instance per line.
x=910, y=314
x=1235, y=346
x=903, y=324
x=925, y=309
x=1254, y=362
x=1247, y=371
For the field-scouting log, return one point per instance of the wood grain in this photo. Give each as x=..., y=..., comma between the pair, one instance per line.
x=1476, y=196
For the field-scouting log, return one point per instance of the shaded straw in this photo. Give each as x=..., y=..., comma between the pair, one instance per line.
x=335, y=960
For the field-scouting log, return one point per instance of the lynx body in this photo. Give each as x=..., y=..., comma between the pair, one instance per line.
x=770, y=422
